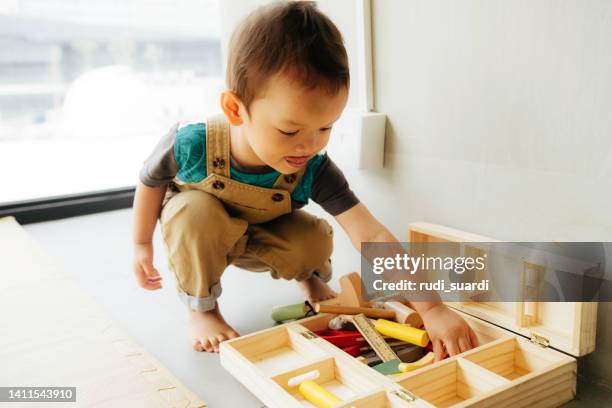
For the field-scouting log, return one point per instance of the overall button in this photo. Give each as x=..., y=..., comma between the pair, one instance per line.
x=278, y=197
x=218, y=185
x=290, y=178
x=218, y=162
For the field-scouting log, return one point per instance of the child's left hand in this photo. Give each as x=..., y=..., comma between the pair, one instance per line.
x=448, y=332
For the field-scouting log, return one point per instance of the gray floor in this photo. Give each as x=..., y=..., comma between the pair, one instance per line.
x=97, y=249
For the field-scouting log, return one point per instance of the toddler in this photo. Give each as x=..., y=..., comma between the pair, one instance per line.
x=230, y=190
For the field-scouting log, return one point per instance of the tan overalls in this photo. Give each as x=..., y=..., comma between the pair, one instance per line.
x=219, y=221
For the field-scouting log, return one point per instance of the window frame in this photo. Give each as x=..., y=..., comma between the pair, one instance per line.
x=70, y=205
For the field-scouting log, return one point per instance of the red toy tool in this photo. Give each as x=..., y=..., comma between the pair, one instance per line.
x=342, y=338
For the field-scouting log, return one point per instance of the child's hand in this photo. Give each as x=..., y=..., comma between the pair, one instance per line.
x=447, y=330
x=148, y=277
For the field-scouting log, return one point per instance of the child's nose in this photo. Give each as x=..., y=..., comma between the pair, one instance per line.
x=310, y=143
x=313, y=141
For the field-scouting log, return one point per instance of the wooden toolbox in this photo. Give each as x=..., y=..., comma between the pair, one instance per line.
x=521, y=360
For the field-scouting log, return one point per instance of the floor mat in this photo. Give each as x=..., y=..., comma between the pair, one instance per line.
x=54, y=334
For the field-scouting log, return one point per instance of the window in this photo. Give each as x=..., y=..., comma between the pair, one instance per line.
x=88, y=87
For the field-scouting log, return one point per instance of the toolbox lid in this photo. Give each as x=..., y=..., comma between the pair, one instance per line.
x=565, y=326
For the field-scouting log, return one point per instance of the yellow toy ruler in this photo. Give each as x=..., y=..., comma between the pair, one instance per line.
x=374, y=339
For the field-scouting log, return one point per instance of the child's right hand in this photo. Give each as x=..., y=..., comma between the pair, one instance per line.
x=148, y=277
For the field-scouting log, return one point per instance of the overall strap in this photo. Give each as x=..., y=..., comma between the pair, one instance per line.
x=290, y=181
x=218, y=146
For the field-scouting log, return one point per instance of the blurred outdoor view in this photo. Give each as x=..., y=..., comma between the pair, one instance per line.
x=87, y=88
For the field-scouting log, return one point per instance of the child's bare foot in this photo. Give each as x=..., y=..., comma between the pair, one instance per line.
x=316, y=290
x=208, y=329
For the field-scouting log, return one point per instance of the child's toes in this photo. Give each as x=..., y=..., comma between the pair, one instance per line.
x=215, y=344
x=207, y=346
x=221, y=337
x=197, y=346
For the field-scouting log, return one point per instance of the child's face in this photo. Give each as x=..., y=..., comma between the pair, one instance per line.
x=289, y=124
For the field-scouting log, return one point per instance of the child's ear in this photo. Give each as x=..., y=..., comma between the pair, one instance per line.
x=230, y=103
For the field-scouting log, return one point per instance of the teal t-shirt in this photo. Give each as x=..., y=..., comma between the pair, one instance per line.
x=190, y=156
x=181, y=154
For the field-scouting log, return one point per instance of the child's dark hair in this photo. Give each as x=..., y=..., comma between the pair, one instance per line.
x=289, y=36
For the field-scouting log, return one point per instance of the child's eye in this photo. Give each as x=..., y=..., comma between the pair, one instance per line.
x=325, y=129
x=288, y=133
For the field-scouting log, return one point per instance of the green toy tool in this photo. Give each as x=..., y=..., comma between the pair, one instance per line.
x=292, y=312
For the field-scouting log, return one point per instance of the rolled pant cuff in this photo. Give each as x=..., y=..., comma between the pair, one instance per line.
x=325, y=279
x=203, y=304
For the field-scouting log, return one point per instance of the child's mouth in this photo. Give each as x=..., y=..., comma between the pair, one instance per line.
x=297, y=161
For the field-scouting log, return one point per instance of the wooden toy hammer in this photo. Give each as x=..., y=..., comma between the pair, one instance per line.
x=351, y=295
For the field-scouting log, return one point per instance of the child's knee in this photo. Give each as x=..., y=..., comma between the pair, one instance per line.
x=322, y=239
x=311, y=249
x=193, y=205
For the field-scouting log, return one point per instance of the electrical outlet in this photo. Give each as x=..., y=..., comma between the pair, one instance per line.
x=357, y=140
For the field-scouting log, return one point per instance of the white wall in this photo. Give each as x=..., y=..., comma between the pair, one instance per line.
x=499, y=123
x=500, y=115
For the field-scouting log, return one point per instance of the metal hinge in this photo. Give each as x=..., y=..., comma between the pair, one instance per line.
x=405, y=395
x=539, y=340
x=309, y=335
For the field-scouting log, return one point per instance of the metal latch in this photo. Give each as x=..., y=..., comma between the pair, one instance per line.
x=539, y=340
x=309, y=335
x=405, y=395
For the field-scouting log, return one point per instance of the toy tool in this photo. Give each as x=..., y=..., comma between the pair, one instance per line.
x=313, y=392
x=426, y=360
x=404, y=314
x=407, y=353
x=351, y=295
x=375, y=340
x=402, y=332
x=292, y=312
x=341, y=338
x=357, y=350
x=351, y=290
x=388, y=367
x=341, y=322
x=349, y=310
x=379, y=345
